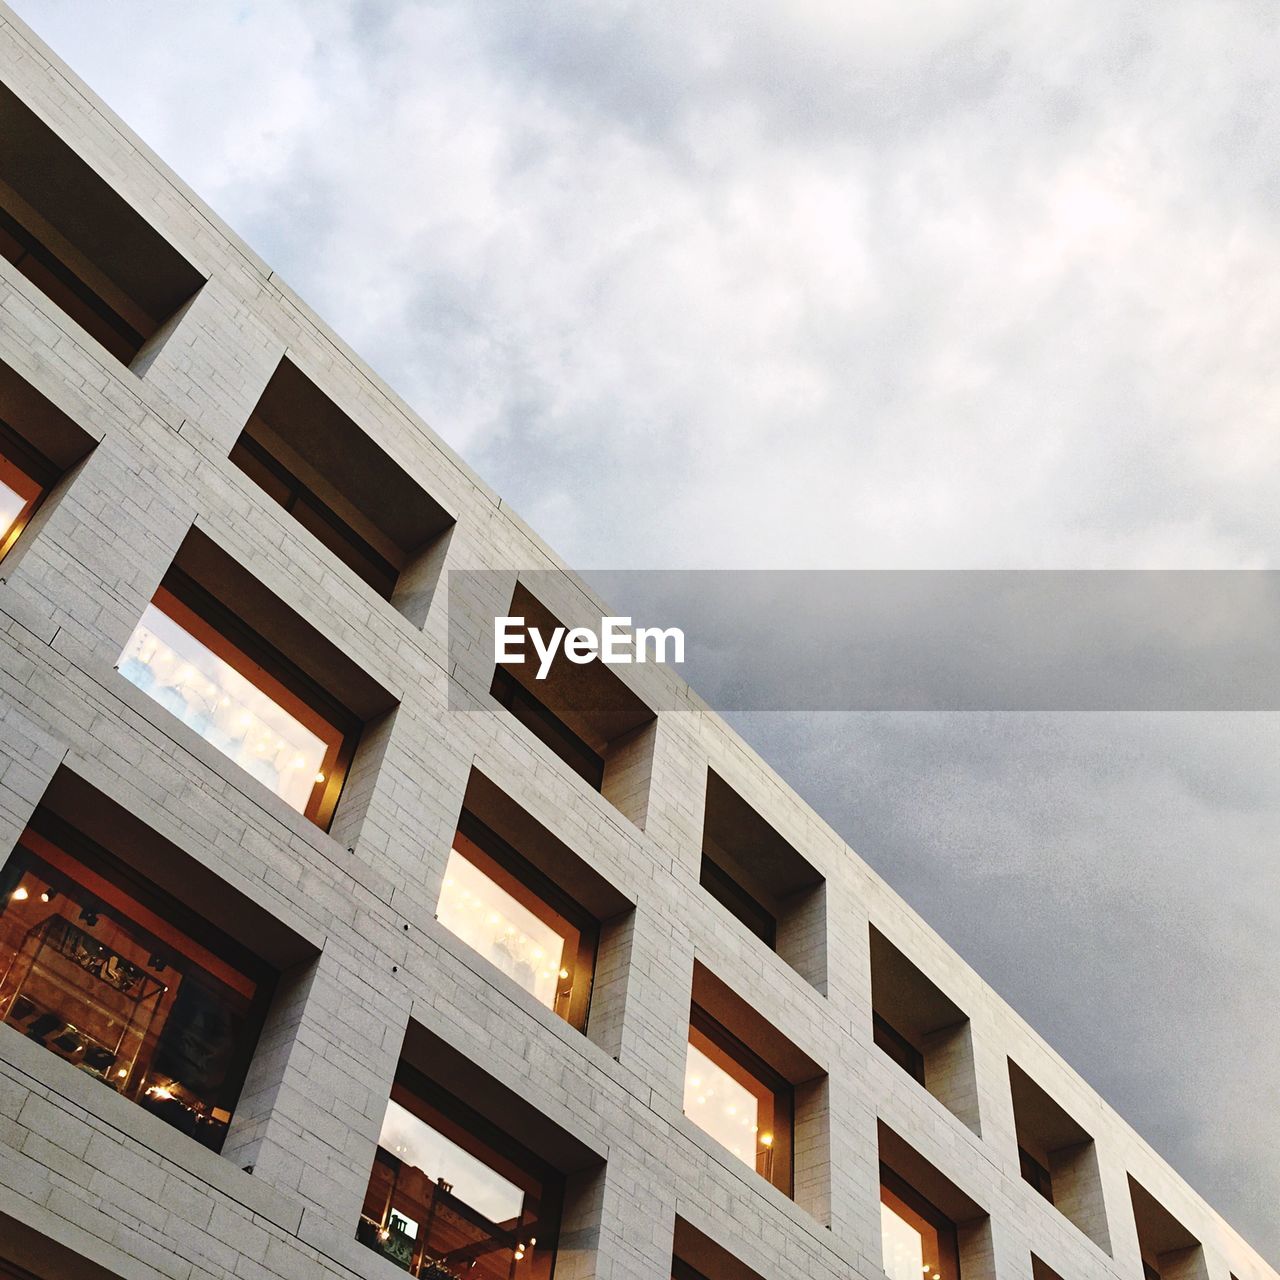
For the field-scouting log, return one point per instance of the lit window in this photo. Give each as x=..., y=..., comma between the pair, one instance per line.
x=504, y=909
x=919, y=1242
x=113, y=977
x=24, y=478
x=736, y=1099
x=449, y=1196
x=184, y=660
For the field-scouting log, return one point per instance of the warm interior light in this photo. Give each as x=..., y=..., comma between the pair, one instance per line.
x=766, y=1139
x=20, y=894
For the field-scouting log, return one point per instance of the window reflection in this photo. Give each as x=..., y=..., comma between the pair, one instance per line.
x=720, y=1106
x=736, y=1099
x=503, y=909
x=449, y=1198
x=491, y=921
x=20, y=494
x=918, y=1242
x=109, y=983
x=179, y=660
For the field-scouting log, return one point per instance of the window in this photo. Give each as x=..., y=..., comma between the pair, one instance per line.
x=918, y=1240
x=918, y=1026
x=197, y=661
x=312, y=458
x=63, y=286
x=1056, y=1156
x=1169, y=1249
x=1034, y=1173
x=516, y=918
x=451, y=1196
x=584, y=713
x=695, y=1256
x=738, y=1100
x=548, y=727
x=315, y=515
x=721, y=885
x=25, y=477
x=79, y=242
x=122, y=982
x=899, y=1048
x=681, y=1270
x=763, y=881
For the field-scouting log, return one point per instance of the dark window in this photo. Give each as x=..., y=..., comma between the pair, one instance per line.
x=899, y=1048
x=726, y=890
x=918, y=1239
x=739, y=1100
x=509, y=912
x=1035, y=1173
x=548, y=727
x=451, y=1196
x=25, y=477
x=116, y=978
x=315, y=515
x=193, y=656
x=62, y=286
x=681, y=1270
x=79, y=242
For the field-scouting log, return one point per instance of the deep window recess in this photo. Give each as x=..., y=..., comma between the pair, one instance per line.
x=918, y=1240
x=731, y=895
x=918, y=1026
x=548, y=727
x=738, y=1100
x=516, y=918
x=1056, y=1156
x=306, y=453
x=315, y=515
x=451, y=1196
x=899, y=1048
x=1035, y=1173
x=1169, y=1250
x=62, y=286
x=763, y=881
x=681, y=1270
x=583, y=712
x=25, y=477
x=110, y=974
x=80, y=243
x=192, y=656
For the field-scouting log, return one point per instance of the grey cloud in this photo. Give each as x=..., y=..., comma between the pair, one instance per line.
x=947, y=285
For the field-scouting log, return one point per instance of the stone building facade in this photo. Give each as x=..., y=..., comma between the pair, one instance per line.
x=328, y=951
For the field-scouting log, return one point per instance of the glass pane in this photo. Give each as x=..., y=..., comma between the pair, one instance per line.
x=208, y=695
x=912, y=1244
x=444, y=1204
x=97, y=978
x=19, y=493
x=721, y=1106
x=11, y=505
x=502, y=929
x=416, y=1143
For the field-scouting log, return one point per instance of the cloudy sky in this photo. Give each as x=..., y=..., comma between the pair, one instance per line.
x=965, y=284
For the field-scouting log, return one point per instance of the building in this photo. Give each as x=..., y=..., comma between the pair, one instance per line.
x=328, y=952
